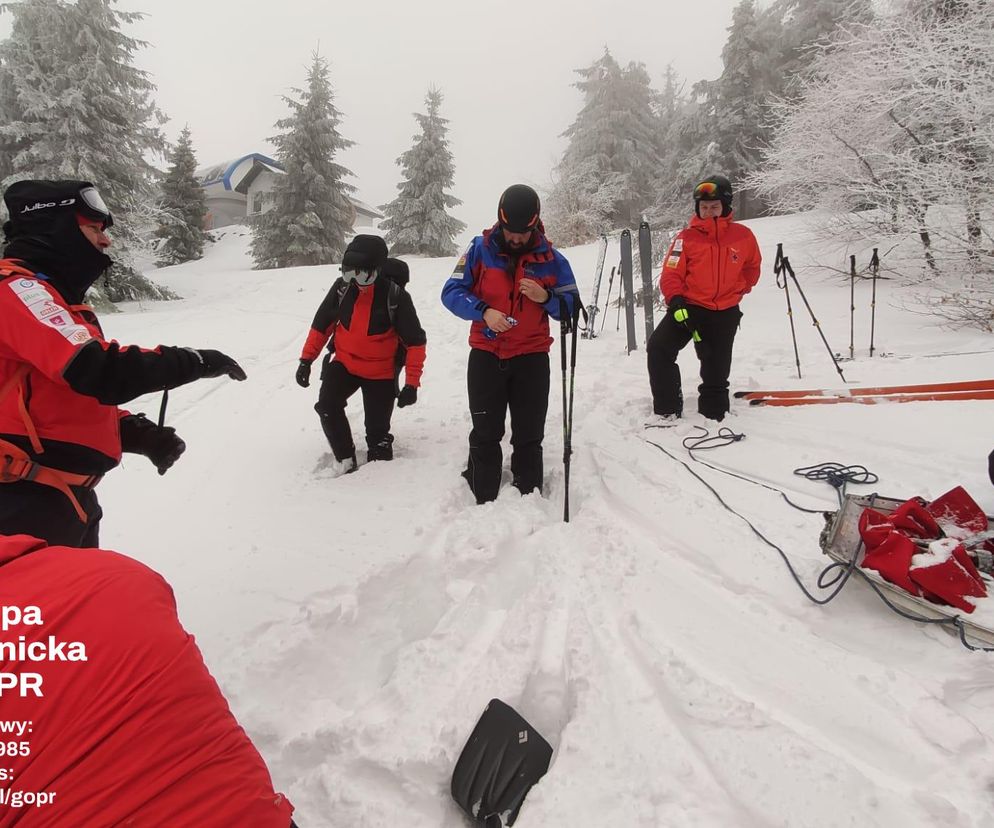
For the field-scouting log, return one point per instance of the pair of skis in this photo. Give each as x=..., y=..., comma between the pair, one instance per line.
x=927, y=392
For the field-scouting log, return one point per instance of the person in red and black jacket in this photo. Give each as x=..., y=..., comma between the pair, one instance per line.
x=60, y=381
x=369, y=322
x=508, y=283
x=709, y=267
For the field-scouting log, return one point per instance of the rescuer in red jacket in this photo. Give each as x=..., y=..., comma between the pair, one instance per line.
x=125, y=726
x=60, y=380
x=710, y=265
x=372, y=331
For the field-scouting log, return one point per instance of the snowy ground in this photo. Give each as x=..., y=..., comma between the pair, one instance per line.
x=360, y=625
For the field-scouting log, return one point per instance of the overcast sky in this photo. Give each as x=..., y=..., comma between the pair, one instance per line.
x=505, y=69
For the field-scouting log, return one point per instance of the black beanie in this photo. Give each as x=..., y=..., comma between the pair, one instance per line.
x=36, y=203
x=365, y=252
x=519, y=208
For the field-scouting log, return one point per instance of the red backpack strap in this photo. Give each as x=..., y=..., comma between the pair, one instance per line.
x=16, y=381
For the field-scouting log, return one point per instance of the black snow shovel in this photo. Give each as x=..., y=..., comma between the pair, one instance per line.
x=503, y=758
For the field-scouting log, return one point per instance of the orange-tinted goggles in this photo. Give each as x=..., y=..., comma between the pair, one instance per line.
x=706, y=190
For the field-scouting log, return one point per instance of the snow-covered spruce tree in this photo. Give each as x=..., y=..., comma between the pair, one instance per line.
x=75, y=106
x=581, y=202
x=183, y=205
x=619, y=129
x=738, y=99
x=895, y=133
x=311, y=214
x=417, y=220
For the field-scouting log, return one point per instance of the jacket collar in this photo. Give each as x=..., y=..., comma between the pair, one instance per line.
x=540, y=251
x=708, y=225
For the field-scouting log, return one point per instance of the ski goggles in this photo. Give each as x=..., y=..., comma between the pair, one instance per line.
x=706, y=191
x=93, y=206
x=360, y=275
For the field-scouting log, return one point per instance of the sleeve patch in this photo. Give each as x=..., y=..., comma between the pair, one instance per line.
x=38, y=300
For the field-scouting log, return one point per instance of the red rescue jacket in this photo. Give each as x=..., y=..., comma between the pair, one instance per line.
x=139, y=734
x=368, y=327
x=38, y=327
x=712, y=263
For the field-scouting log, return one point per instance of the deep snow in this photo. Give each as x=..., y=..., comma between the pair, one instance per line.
x=359, y=625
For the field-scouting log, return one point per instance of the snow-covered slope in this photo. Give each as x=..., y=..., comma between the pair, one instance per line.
x=359, y=625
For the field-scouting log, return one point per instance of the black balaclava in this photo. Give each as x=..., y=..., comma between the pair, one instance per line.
x=43, y=232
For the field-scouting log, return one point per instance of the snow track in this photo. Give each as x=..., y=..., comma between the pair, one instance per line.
x=360, y=624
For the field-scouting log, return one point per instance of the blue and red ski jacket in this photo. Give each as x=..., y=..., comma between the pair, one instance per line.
x=488, y=276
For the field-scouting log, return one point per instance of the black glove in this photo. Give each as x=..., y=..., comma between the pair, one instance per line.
x=304, y=373
x=161, y=445
x=676, y=303
x=408, y=396
x=216, y=364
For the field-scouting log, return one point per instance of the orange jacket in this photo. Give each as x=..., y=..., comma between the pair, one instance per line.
x=711, y=263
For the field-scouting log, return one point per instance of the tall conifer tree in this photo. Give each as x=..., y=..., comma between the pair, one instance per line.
x=417, y=220
x=184, y=207
x=75, y=106
x=311, y=214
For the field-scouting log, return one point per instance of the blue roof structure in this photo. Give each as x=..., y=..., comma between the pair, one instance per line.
x=222, y=172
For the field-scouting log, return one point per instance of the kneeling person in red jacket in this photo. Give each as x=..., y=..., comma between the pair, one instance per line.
x=508, y=283
x=369, y=323
x=709, y=267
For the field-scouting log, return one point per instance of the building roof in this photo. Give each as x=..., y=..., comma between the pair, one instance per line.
x=222, y=174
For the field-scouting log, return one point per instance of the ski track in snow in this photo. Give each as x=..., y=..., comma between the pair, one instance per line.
x=360, y=624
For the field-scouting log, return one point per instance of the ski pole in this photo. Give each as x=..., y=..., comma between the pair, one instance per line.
x=875, y=268
x=814, y=319
x=852, y=305
x=162, y=407
x=778, y=271
x=569, y=322
x=607, y=303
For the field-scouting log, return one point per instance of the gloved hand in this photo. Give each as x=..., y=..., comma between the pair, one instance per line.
x=407, y=396
x=161, y=445
x=681, y=314
x=304, y=373
x=216, y=364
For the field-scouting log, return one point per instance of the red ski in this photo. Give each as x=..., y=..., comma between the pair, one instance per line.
x=873, y=399
x=876, y=391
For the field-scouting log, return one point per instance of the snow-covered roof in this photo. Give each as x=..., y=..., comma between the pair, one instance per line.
x=221, y=173
x=224, y=172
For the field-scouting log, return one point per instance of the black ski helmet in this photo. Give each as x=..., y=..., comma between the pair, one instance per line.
x=714, y=188
x=519, y=209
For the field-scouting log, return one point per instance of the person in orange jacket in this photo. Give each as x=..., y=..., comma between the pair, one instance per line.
x=61, y=381
x=710, y=265
x=123, y=724
x=372, y=330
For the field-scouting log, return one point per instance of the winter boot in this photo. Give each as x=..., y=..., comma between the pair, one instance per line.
x=382, y=449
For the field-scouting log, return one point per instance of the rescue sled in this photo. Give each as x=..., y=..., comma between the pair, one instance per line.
x=841, y=541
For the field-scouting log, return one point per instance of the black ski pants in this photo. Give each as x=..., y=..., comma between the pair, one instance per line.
x=717, y=330
x=28, y=508
x=520, y=384
x=337, y=385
